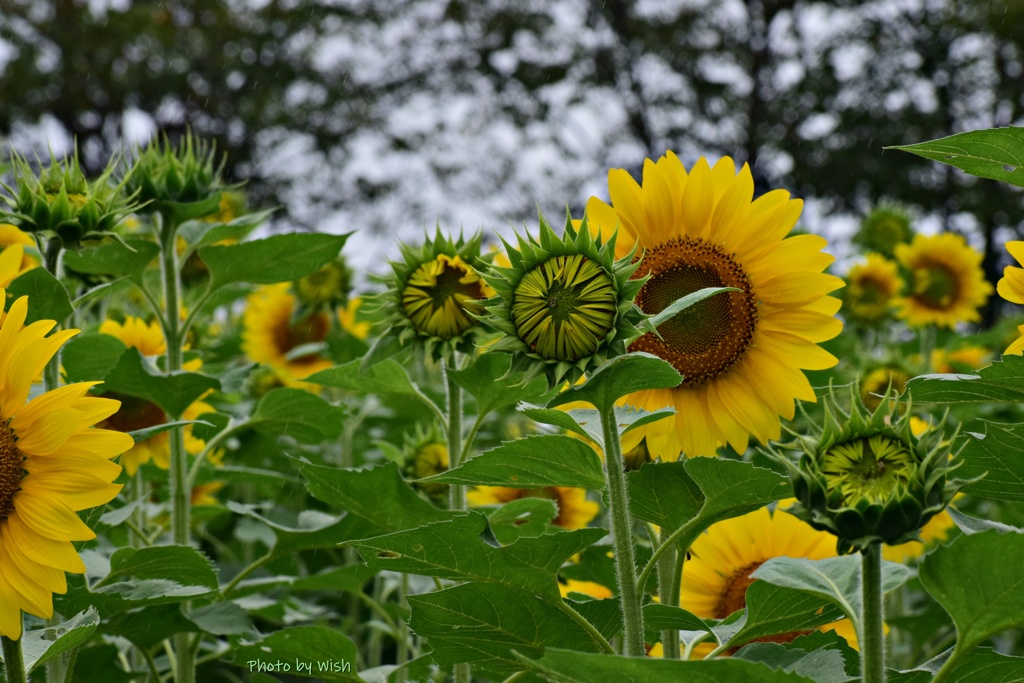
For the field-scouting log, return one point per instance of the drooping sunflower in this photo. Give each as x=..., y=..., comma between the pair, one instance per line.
x=1011, y=288
x=270, y=334
x=717, y=573
x=870, y=288
x=741, y=353
x=946, y=284
x=574, y=510
x=137, y=413
x=53, y=463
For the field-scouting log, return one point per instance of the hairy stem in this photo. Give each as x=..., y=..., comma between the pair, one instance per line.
x=872, y=642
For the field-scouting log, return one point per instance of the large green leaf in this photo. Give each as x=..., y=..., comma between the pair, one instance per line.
x=522, y=518
x=974, y=525
x=200, y=233
x=41, y=645
x=821, y=666
x=994, y=461
x=664, y=494
x=173, y=393
x=620, y=376
x=773, y=610
x=315, y=529
x=587, y=421
x=48, y=299
x=486, y=624
x=533, y=462
x=379, y=495
x=385, y=377
x=309, y=651
x=1001, y=382
x=273, y=259
x=835, y=579
x=658, y=617
x=485, y=380
x=977, y=579
x=90, y=357
x=563, y=666
x=454, y=550
x=996, y=153
x=130, y=259
x=298, y=414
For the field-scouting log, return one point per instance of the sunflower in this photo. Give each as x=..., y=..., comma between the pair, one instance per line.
x=10, y=234
x=137, y=413
x=964, y=359
x=1011, y=288
x=947, y=285
x=870, y=287
x=352, y=321
x=741, y=354
x=879, y=380
x=426, y=454
x=574, y=510
x=438, y=296
x=591, y=588
x=886, y=227
x=270, y=335
x=717, y=573
x=52, y=464
x=10, y=264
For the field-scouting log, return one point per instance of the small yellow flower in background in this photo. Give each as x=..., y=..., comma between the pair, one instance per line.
x=946, y=285
x=574, y=510
x=270, y=334
x=327, y=287
x=53, y=463
x=426, y=454
x=136, y=413
x=741, y=354
x=205, y=494
x=717, y=574
x=964, y=359
x=1011, y=288
x=594, y=590
x=870, y=288
x=879, y=380
x=350, y=319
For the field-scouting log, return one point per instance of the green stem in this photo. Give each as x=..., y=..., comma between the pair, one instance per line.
x=402, y=644
x=681, y=532
x=461, y=673
x=14, y=663
x=622, y=538
x=666, y=582
x=240, y=576
x=872, y=641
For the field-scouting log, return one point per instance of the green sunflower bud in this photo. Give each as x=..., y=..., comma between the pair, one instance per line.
x=60, y=202
x=327, y=287
x=432, y=298
x=867, y=478
x=887, y=226
x=564, y=304
x=183, y=181
x=426, y=454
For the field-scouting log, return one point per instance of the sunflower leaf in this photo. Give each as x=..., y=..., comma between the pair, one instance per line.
x=299, y=414
x=310, y=651
x=129, y=258
x=454, y=550
x=664, y=494
x=316, y=530
x=567, y=666
x=822, y=666
x=993, y=462
x=678, y=306
x=533, y=462
x=173, y=392
x=149, y=432
x=973, y=525
x=620, y=376
x=523, y=518
x=200, y=233
x=385, y=377
x=1001, y=382
x=488, y=381
x=996, y=153
x=90, y=357
x=488, y=625
x=279, y=258
x=42, y=645
x=979, y=609
x=773, y=610
x=48, y=298
x=835, y=579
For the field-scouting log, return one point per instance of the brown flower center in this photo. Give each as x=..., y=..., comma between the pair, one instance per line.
x=134, y=414
x=709, y=338
x=734, y=596
x=310, y=330
x=936, y=286
x=11, y=469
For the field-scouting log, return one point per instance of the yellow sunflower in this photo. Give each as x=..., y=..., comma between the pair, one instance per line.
x=742, y=353
x=717, y=574
x=574, y=510
x=1011, y=288
x=136, y=413
x=591, y=588
x=870, y=288
x=53, y=463
x=270, y=335
x=876, y=382
x=947, y=285
x=10, y=235
x=964, y=359
x=351, y=320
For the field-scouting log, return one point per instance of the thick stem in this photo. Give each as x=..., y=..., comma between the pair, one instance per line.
x=14, y=663
x=666, y=583
x=622, y=538
x=461, y=673
x=872, y=642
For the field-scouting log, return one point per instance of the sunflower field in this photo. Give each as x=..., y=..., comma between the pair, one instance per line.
x=668, y=439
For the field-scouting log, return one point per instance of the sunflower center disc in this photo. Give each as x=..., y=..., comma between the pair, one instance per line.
x=310, y=330
x=134, y=413
x=11, y=469
x=708, y=338
x=935, y=286
x=734, y=596
x=437, y=305
x=563, y=308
